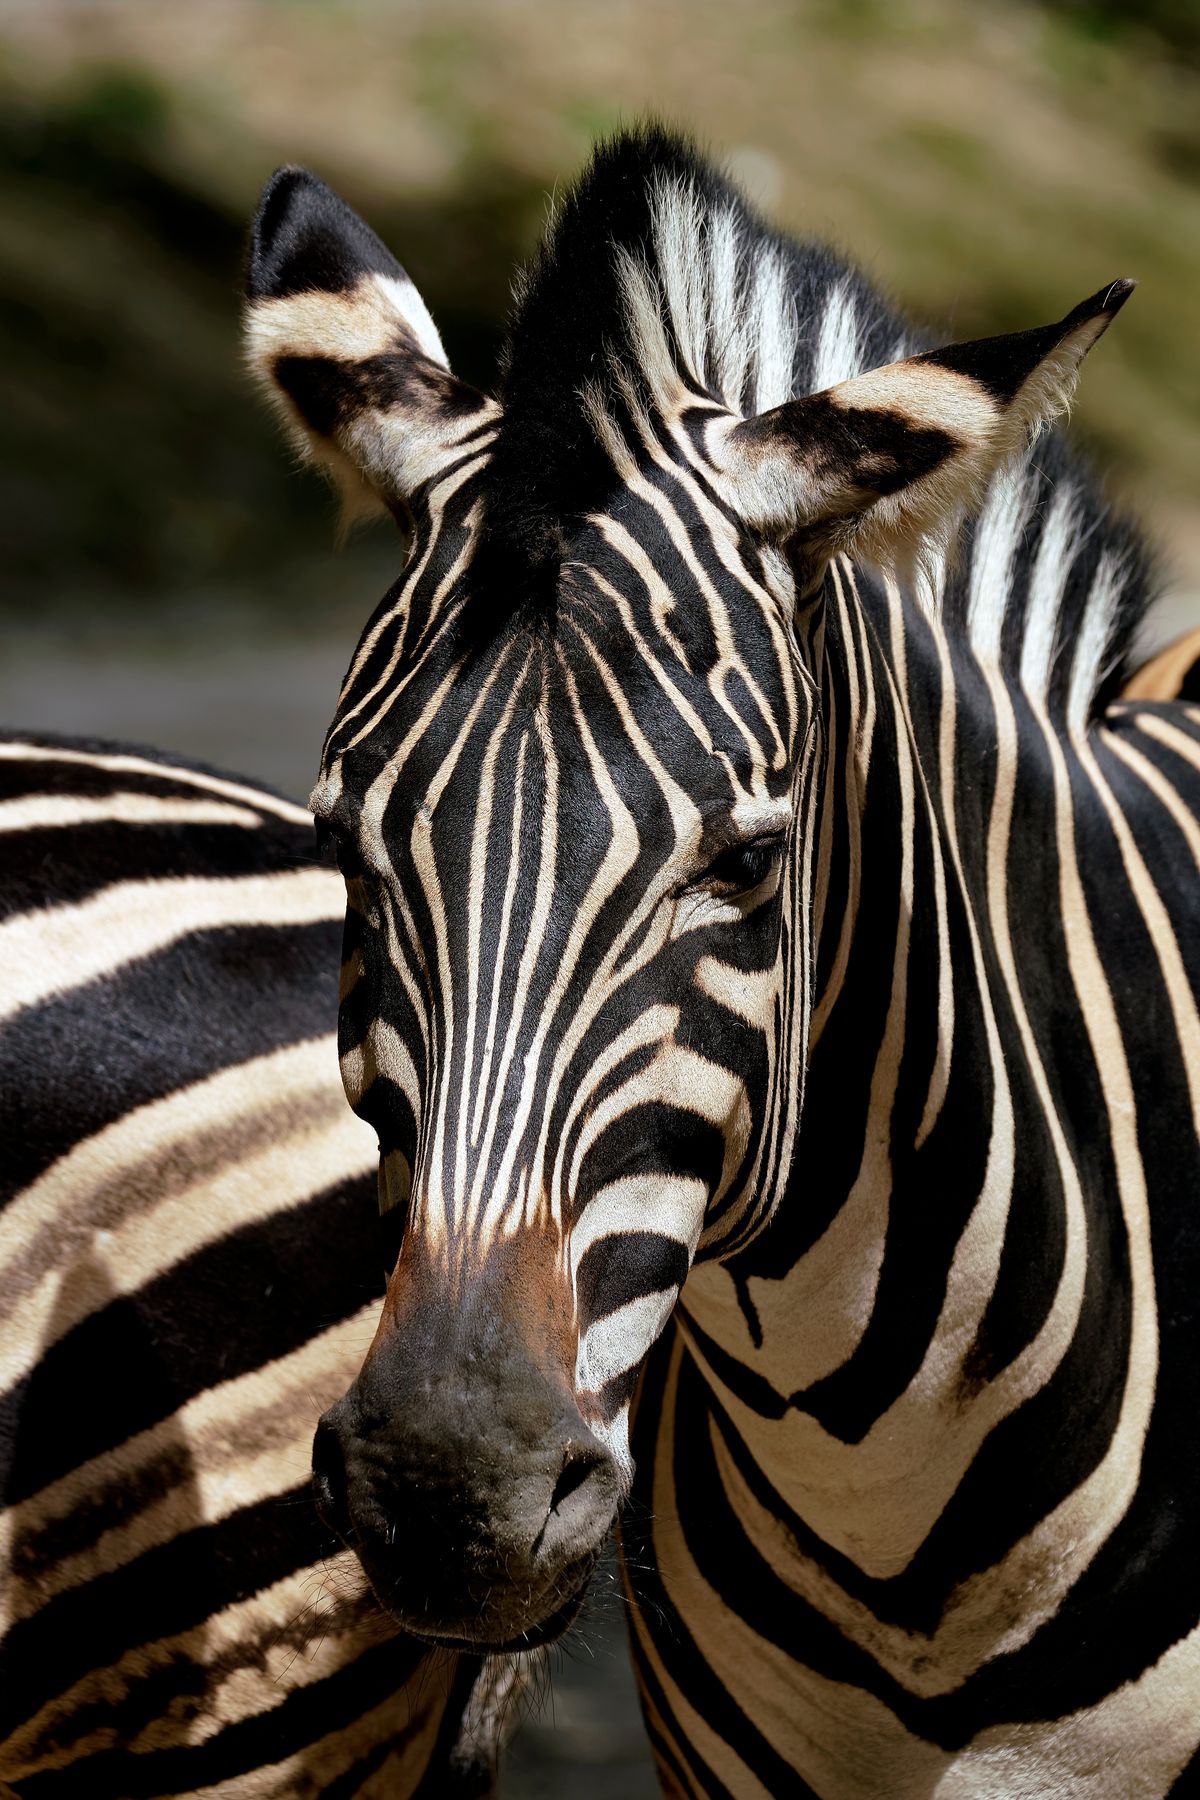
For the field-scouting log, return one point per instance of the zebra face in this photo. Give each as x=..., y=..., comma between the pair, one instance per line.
x=572, y=786
x=570, y=906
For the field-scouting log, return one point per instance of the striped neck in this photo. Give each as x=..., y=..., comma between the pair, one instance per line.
x=925, y=1272
x=911, y=1509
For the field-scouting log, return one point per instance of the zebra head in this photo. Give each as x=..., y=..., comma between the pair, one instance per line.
x=573, y=785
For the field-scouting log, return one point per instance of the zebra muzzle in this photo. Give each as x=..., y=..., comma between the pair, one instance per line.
x=477, y=1524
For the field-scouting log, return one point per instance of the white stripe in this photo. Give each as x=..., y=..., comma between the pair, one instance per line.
x=745, y=992
x=670, y=1206
x=158, y=1184
x=1095, y=634
x=998, y=530
x=619, y=1341
x=46, y=952
x=121, y=763
x=49, y=812
x=837, y=358
x=248, y=1438
x=1056, y=551
x=412, y=309
x=772, y=332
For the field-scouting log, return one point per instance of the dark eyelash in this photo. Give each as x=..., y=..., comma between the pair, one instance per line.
x=326, y=843
x=336, y=851
x=743, y=866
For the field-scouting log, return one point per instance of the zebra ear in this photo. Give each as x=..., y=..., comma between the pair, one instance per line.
x=891, y=460
x=346, y=349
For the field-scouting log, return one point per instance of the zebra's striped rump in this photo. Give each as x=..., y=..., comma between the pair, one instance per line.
x=750, y=899
x=189, y=1272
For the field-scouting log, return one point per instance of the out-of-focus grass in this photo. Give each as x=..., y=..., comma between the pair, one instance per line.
x=988, y=166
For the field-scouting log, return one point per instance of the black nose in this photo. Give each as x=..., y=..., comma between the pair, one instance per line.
x=581, y=1504
x=329, y=1478
x=477, y=1516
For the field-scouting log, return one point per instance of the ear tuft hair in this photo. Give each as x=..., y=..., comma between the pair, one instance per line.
x=345, y=348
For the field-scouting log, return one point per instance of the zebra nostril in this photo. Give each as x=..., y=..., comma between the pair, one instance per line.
x=577, y=1466
x=581, y=1508
x=329, y=1478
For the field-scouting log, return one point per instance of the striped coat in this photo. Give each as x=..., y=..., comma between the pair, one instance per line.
x=773, y=970
x=189, y=1272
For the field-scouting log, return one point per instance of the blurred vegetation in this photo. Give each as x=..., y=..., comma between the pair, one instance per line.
x=987, y=165
x=141, y=466
x=1171, y=25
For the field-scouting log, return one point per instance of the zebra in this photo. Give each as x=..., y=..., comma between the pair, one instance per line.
x=189, y=1270
x=1172, y=673
x=770, y=969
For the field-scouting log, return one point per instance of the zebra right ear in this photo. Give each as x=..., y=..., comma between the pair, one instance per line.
x=346, y=350
x=889, y=461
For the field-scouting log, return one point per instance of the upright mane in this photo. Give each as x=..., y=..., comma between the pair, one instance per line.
x=654, y=252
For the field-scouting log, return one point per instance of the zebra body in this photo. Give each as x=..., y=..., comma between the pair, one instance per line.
x=1172, y=673
x=915, y=1478
x=750, y=875
x=189, y=1271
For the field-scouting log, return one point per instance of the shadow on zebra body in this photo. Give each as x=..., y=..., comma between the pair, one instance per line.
x=189, y=1271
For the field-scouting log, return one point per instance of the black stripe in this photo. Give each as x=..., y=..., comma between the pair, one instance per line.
x=164, y=1592
x=616, y=1270
x=682, y=1657
x=65, y=866
x=250, y=1297
x=300, y=1721
x=214, y=999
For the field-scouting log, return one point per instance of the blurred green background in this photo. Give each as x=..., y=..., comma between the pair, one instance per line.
x=988, y=165
x=169, y=575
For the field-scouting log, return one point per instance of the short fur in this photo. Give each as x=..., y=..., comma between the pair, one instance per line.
x=173, y=1615
x=761, y=996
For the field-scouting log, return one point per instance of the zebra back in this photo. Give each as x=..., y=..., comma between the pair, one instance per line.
x=1172, y=674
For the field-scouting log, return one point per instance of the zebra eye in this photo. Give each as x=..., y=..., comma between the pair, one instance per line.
x=741, y=868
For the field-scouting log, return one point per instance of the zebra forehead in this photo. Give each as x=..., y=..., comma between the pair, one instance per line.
x=586, y=727
x=694, y=676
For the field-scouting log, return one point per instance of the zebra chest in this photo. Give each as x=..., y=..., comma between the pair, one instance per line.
x=792, y=1670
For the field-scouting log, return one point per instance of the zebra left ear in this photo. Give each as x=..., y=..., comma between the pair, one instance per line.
x=345, y=347
x=891, y=460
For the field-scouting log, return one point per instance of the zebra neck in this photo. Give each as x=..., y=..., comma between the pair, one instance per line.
x=924, y=1274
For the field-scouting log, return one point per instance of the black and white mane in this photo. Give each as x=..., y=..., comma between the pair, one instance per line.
x=1047, y=581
